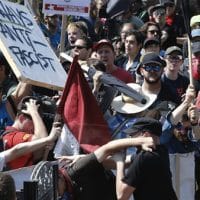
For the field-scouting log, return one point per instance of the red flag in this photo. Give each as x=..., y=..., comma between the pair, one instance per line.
x=81, y=112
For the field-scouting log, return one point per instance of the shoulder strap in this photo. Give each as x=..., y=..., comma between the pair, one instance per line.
x=10, y=100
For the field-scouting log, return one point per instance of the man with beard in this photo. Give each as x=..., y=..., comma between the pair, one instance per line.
x=151, y=69
x=52, y=30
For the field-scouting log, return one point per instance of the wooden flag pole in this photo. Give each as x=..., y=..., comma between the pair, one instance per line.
x=63, y=33
x=190, y=62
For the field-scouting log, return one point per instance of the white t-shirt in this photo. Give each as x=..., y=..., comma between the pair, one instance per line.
x=2, y=160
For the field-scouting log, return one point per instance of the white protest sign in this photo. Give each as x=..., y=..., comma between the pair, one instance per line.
x=67, y=7
x=26, y=49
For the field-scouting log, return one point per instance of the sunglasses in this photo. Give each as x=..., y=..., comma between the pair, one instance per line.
x=159, y=12
x=78, y=47
x=156, y=68
x=177, y=58
x=153, y=31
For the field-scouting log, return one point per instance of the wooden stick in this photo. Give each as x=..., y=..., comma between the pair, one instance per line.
x=190, y=62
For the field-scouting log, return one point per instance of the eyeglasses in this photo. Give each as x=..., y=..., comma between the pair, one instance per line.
x=175, y=58
x=153, y=31
x=156, y=68
x=78, y=47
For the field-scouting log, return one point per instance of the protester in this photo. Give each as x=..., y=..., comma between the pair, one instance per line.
x=28, y=126
x=174, y=81
x=105, y=52
x=151, y=69
x=87, y=177
x=148, y=176
x=180, y=135
x=22, y=149
x=175, y=22
x=158, y=14
x=83, y=48
x=75, y=30
x=151, y=30
x=52, y=30
x=133, y=45
x=125, y=29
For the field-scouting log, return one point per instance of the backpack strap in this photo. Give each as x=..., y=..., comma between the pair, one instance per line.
x=10, y=100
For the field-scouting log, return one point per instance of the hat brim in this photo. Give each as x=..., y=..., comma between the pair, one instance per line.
x=98, y=45
x=162, y=63
x=132, y=108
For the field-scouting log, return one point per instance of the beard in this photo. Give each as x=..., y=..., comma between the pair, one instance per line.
x=152, y=81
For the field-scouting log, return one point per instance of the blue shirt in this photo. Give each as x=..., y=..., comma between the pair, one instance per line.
x=5, y=119
x=172, y=143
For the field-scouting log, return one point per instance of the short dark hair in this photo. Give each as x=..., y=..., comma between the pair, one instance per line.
x=145, y=27
x=138, y=36
x=7, y=187
x=88, y=41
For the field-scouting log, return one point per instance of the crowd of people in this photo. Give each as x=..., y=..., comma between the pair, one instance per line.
x=146, y=47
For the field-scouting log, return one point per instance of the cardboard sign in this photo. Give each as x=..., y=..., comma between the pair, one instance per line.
x=67, y=7
x=27, y=50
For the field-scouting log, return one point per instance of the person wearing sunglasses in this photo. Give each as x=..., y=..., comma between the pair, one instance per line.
x=150, y=70
x=82, y=47
x=173, y=79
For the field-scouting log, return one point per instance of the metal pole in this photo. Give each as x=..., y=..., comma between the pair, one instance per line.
x=30, y=190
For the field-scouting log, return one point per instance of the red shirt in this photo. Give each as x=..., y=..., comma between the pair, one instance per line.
x=12, y=138
x=123, y=75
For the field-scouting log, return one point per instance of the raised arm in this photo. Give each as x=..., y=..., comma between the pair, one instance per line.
x=39, y=127
x=27, y=147
x=114, y=146
x=182, y=108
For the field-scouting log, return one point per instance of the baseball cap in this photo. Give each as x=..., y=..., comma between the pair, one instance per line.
x=152, y=58
x=195, y=19
x=150, y=41
x=172, y=49
x=101, y=43
x=156, y=7
x=196, y=47
x=145, y=124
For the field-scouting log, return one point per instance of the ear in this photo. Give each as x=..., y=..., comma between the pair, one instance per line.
x=141, y=71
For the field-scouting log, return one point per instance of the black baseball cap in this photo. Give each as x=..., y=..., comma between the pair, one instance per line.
x=151, y=58
x=145, y=124
x=150, y=41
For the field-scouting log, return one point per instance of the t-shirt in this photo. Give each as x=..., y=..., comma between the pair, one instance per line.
x=90, y=180
x=13, y=138
x=150, y=174
x=176, y=87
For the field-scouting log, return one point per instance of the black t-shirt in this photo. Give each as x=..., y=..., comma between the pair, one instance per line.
x=176, y=88
x=150, y=174
x=91, y=181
